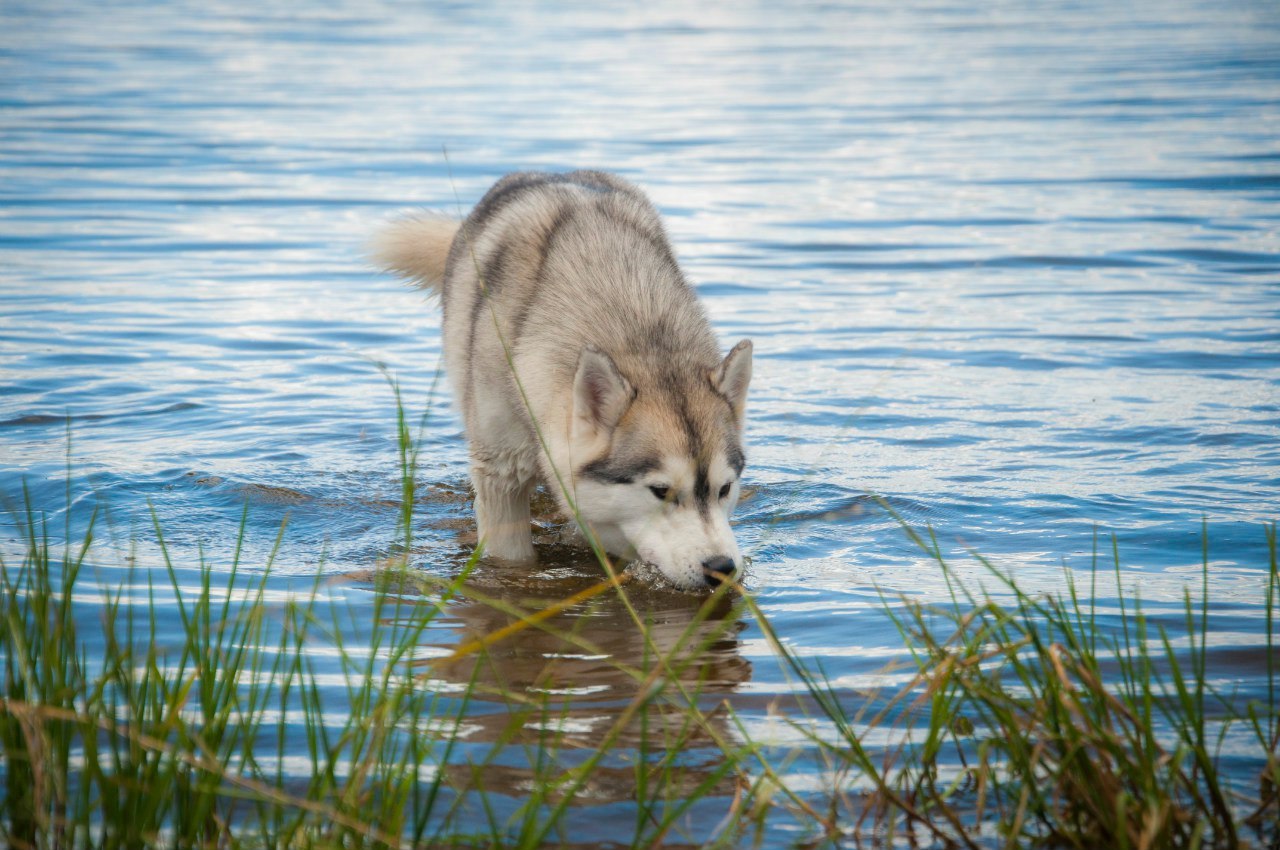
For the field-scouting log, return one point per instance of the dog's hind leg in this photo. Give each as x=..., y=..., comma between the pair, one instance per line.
x=504, y=485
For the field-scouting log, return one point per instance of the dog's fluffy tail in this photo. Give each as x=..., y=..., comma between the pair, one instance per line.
x=416, y=247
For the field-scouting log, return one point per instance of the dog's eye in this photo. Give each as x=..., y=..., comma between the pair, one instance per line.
x=724, y=491
x=660, y=492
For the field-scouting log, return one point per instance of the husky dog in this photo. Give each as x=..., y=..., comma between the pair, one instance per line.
x=578, y=352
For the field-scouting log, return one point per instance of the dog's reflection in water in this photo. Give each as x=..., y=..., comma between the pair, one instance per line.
x=585, y=678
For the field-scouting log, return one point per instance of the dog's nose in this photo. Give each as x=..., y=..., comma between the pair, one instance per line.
x=717, y=569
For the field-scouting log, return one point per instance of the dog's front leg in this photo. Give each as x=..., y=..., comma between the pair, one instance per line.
x=503, y=492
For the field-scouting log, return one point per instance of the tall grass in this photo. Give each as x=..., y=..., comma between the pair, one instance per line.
x=1067, y=727
x=185, y=708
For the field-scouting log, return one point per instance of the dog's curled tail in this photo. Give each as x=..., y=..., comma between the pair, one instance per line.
x=416, y=247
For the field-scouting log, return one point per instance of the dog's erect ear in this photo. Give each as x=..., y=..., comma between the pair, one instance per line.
x=600, y=394
x=732, y=377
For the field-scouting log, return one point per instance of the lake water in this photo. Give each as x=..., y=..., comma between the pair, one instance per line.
x=1015, y=268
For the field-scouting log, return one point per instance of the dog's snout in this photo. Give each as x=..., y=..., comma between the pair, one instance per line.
x=717, y=569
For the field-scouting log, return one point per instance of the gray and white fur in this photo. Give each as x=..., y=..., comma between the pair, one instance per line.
x=579, y=354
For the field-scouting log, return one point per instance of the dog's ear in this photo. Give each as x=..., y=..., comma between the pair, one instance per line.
x=600, y=393
x=732, y=377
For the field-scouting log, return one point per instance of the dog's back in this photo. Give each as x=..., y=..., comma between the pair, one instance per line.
x=583, y=253
x=545, y=264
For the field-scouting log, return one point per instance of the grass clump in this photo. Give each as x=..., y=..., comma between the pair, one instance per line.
x=172, y=731
x=1047, y=721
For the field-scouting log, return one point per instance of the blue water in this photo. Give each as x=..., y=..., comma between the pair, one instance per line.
x=1013, y=268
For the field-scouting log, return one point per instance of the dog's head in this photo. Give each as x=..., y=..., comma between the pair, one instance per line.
x=662, y=451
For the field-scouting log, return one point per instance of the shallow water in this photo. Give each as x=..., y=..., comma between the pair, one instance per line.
x=1015, y=270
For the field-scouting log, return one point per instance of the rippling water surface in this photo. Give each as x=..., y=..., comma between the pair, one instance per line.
x=1013, y=268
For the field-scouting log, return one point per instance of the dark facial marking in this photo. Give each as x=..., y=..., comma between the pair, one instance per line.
x=690, y=427
x=610, y=470
x=702, y=490
x=701, y=484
